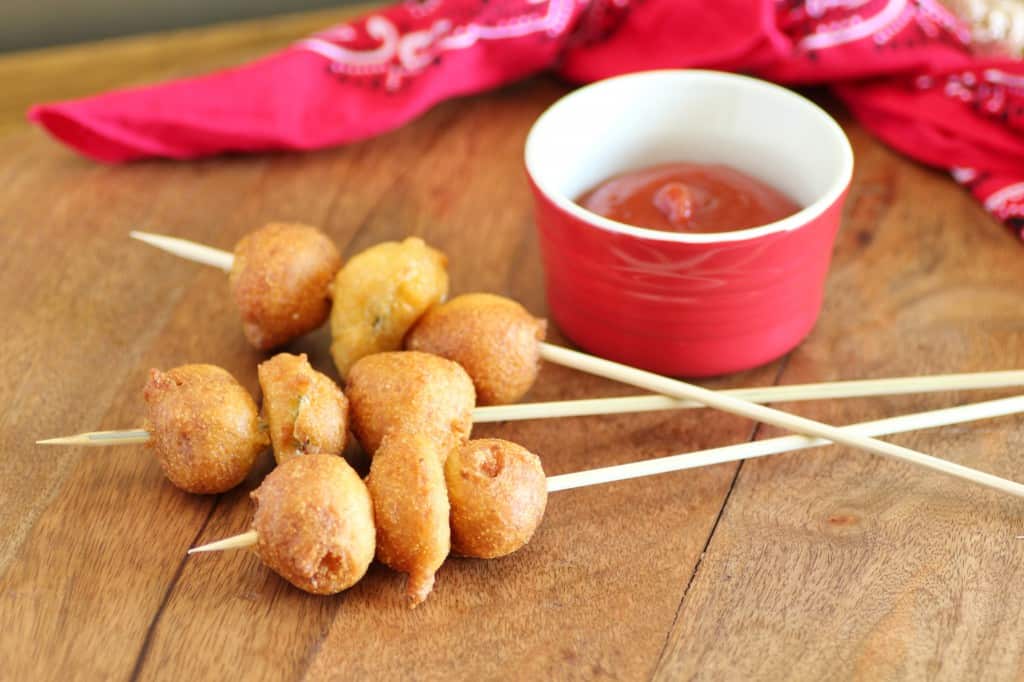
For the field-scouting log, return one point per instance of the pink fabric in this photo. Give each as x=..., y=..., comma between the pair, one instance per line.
x=905, y=68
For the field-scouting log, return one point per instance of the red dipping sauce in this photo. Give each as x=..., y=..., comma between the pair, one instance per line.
x=688, y=197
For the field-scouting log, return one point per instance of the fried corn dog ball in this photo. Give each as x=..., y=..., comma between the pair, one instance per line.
x=379, y=294
x=204, y=427
x=494, y=338
x=314, y=523
x=410, y=509
x=410, y=392
x=305, y=411
x=498, y=492
x=280, y=281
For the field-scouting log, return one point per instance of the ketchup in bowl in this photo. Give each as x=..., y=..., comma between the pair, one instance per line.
x=688, y=197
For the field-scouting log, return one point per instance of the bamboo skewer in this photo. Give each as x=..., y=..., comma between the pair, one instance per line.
x=100, y=438
x=766, y=394
x=247, y=539
x=774, y=446
x=207, y=255
x=802, y=425
x=732, y=453
x=645, y=403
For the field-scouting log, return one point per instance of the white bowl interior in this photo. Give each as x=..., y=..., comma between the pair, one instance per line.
x=653, y=117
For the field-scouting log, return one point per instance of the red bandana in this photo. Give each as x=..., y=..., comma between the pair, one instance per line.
x=905, y=68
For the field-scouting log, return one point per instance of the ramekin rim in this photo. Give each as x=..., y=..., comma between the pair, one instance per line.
x=801, y=218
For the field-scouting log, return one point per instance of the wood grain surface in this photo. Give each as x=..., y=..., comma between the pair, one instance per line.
x=825, y=564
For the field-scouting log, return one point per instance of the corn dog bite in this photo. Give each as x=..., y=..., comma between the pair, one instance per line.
x=379, y=295
x=280, y=280
x=498, y=492
x=410, y=509
x=494, y=338
x=306, y=413
x=314, y=523
x=204, y=427
x=406, y=392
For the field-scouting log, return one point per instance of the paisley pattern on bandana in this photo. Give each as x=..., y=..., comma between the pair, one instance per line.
x=824, y=24
x=413, y=36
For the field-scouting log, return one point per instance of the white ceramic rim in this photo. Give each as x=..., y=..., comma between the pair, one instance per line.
x=797, y=220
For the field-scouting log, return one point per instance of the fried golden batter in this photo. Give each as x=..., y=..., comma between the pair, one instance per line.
x=379, y=294
x=204, y=427
x=494, y=338
x=280, y=281
x=410, y=392
x=314, y=523
x=498, y=492
x=410, y=509
x=305, y=411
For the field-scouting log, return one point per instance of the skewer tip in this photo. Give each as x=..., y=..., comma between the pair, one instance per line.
x=100, y=438
x=183, y=248
x=246, y=539
x=64, y=440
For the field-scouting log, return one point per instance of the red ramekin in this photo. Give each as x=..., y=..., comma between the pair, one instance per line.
x=686, y=304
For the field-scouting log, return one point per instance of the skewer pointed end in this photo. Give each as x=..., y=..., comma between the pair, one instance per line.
x=197, y=253
x=247, y=539
x=147, y=237
x=100, y=438
x=64, y=440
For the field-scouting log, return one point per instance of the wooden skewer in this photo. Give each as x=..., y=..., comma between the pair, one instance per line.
x=207, y=255
x=773, y=446
x=802, y=425
x=732, y=453
x=766, y=394
x=247, y=539
x=645, y=403
x=101, y=438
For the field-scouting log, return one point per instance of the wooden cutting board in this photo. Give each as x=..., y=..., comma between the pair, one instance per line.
x=823, y=564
